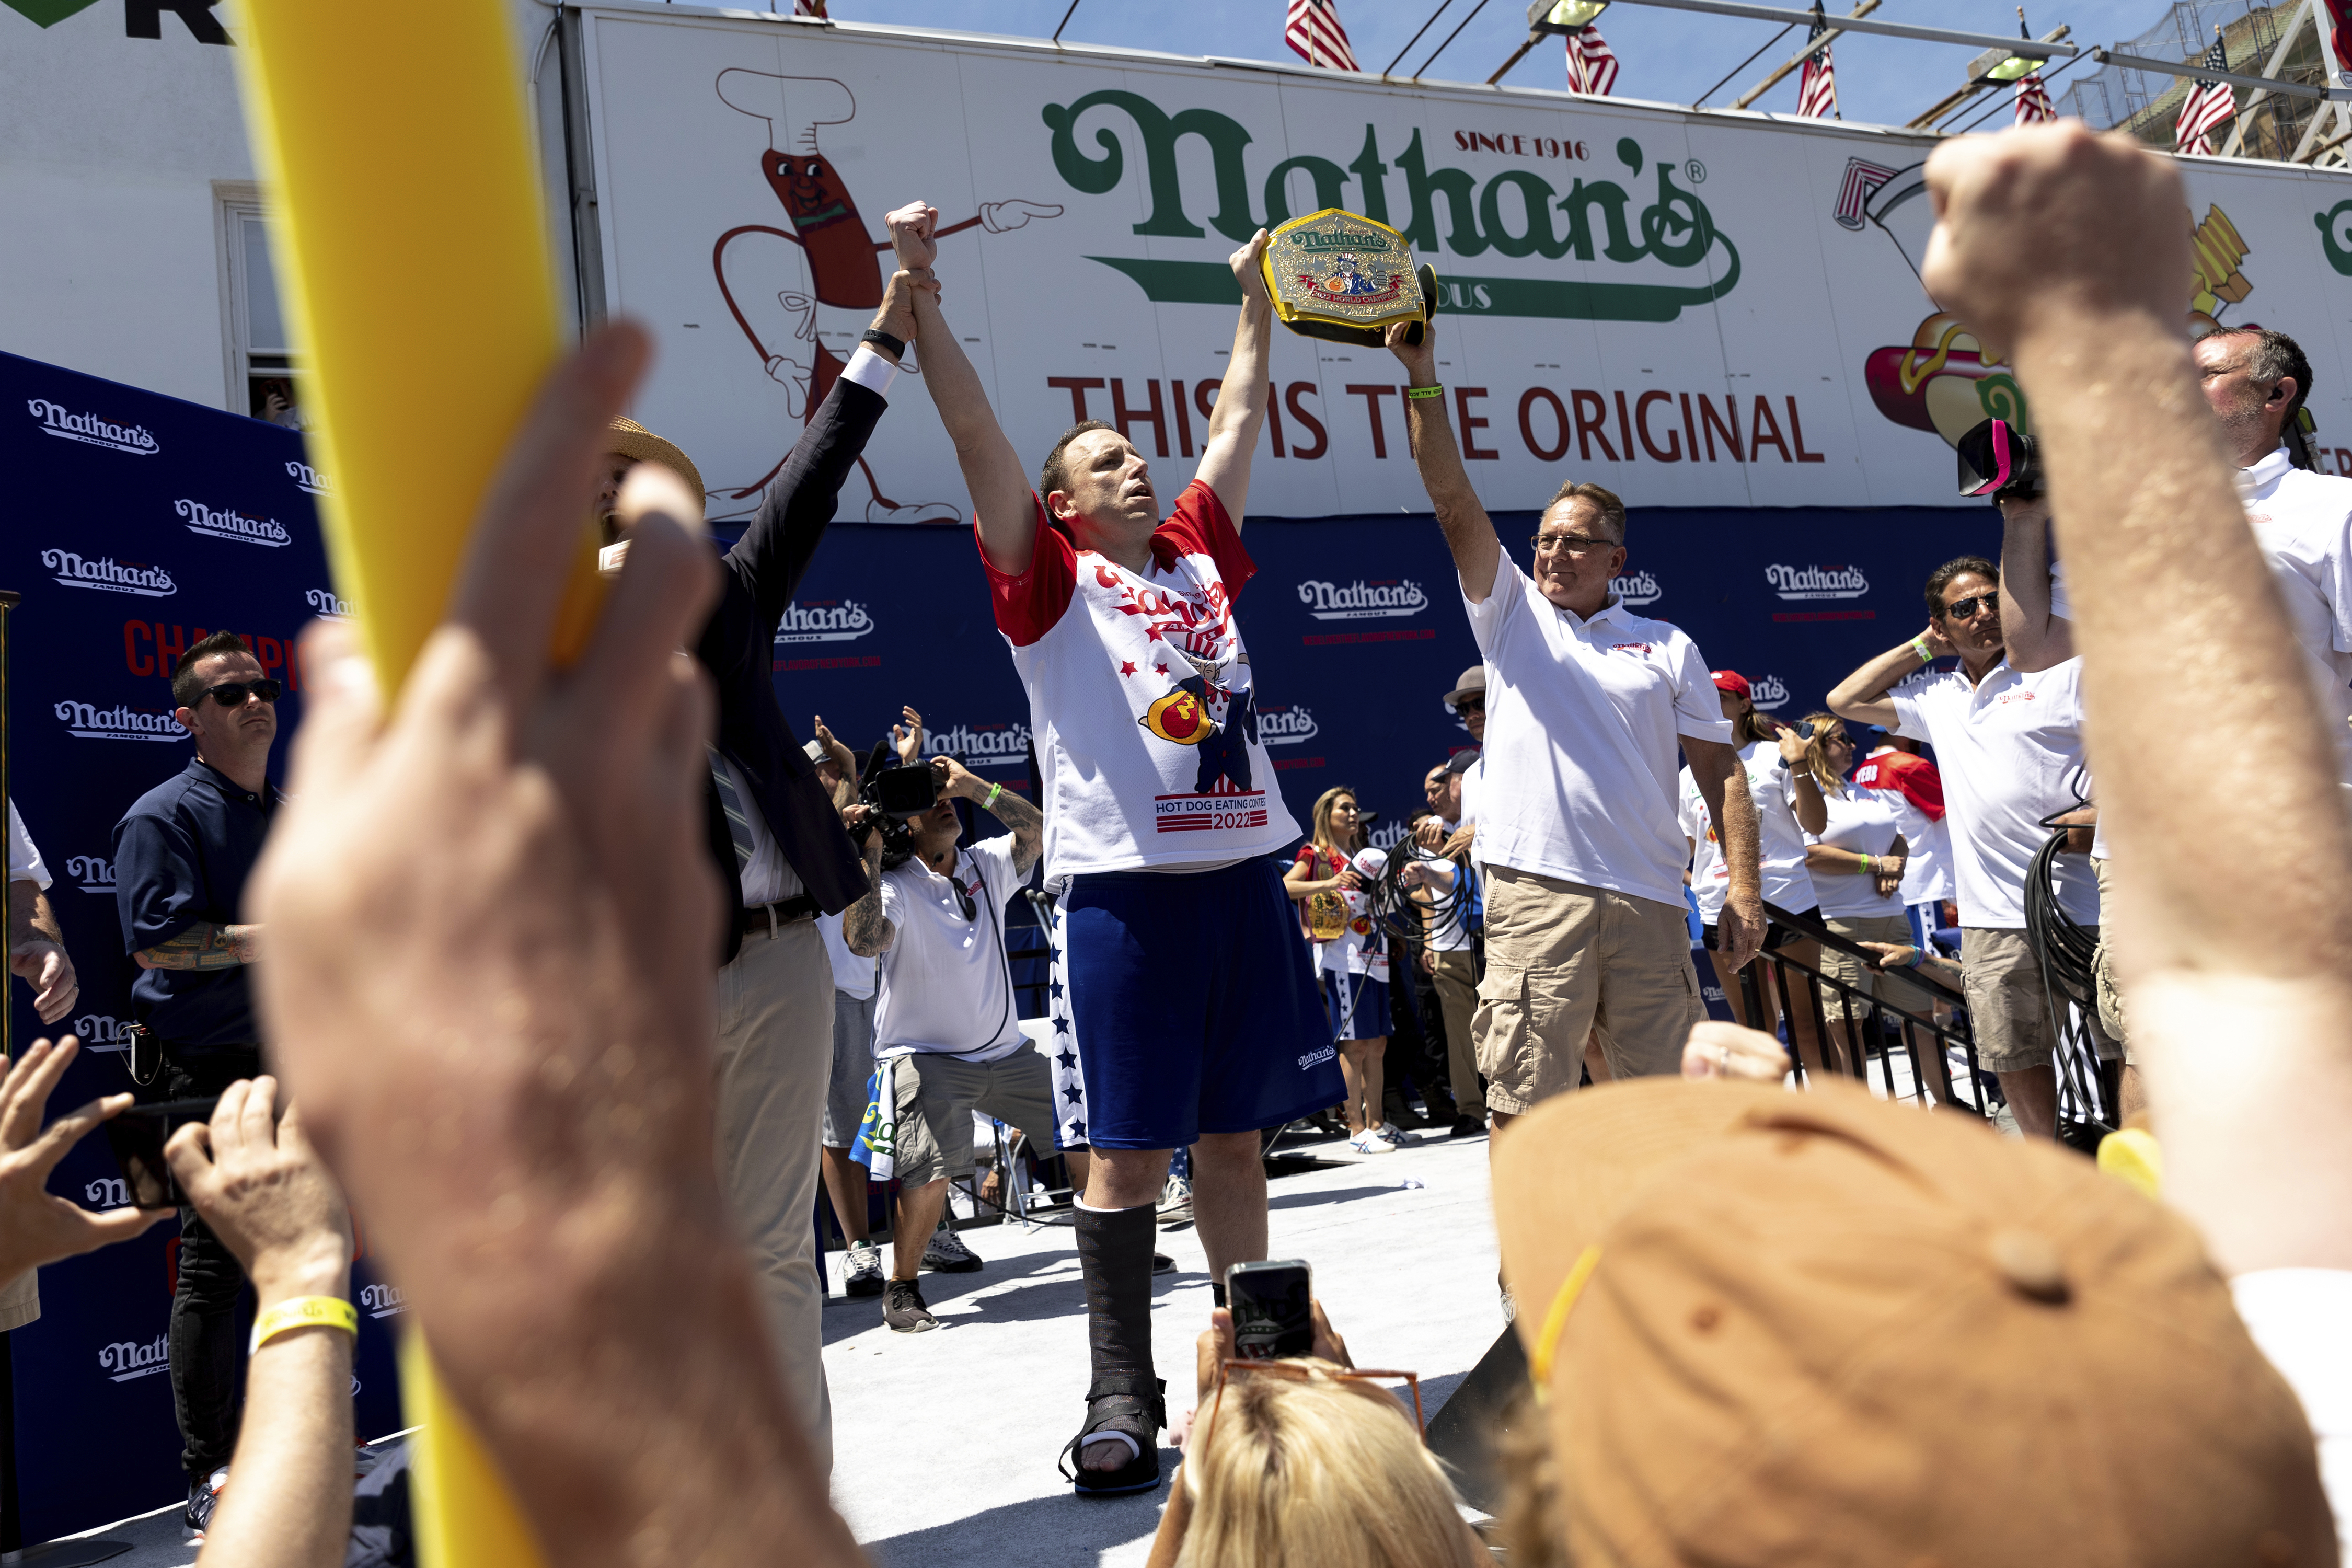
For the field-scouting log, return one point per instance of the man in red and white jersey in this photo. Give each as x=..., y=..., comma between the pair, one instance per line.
x=1185, y=1013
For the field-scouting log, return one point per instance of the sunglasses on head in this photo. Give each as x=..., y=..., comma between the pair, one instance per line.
x=1295, y=1372
x=1966, y=609
x=233, y=693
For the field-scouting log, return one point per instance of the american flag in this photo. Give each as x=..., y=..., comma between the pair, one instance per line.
x=810, y=8
x=2209, y=106
x=1313, y=34
x=1817, y=88
x=2033, y=100
x=1591, y=67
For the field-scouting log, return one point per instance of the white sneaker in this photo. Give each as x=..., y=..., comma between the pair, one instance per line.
x=1175, y=1201
x=1398, y=1135
x=1370, y=1142
x=861, y=1270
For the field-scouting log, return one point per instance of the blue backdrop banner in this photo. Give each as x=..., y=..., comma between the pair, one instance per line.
x=142, y=522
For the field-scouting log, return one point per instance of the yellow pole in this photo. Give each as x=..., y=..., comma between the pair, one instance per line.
x=413, y=262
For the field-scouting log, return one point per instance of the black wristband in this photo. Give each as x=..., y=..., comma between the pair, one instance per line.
x=876, y=335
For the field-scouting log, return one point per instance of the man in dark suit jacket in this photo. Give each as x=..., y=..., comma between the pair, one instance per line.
x=784, y=857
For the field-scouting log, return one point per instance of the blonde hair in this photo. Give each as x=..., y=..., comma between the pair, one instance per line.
x=1817, y=757
x=1322, y=819
x=1318, y=1472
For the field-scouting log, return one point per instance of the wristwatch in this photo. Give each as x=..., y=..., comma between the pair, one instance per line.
x=877, y=336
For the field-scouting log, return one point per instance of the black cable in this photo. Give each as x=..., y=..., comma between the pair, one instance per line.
x=1449, y=40
x=2067, y=952
x=1989, y=114
x=1408, y=43
x=1743, y=65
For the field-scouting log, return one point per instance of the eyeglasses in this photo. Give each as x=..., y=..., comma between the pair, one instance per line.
x=1471, y=705
x=1966, y=609
x=1298, y=1371
x=233, y=693
x=1574, y=543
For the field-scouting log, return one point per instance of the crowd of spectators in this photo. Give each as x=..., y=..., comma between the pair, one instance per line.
x=1760, y=1327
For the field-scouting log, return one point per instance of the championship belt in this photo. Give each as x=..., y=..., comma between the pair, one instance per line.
x=1348, y=278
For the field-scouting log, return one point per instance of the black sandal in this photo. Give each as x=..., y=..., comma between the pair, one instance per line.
x=1128, y=1404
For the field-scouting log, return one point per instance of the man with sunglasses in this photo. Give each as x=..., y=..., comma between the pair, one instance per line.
x=2009, y=740
x=947, y=1026
x=1587, y=704
x=181, y=854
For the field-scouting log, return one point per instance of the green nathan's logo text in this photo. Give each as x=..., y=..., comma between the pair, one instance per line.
x=1516, y=214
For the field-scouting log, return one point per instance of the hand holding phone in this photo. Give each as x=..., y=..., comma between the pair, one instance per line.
x=1273, y=1307
x=138, y=1136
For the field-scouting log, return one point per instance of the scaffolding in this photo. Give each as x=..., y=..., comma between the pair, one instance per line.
x=2272, y=40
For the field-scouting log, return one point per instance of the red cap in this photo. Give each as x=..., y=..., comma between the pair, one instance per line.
x=1730, y=680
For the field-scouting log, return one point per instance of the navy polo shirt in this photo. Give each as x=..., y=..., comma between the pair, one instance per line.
x=181, y=854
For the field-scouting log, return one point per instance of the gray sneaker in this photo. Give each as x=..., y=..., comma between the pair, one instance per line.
x=861, y=1270
x=946, y=1253
x=904, y=1310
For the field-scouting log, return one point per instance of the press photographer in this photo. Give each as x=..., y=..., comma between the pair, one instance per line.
x=947, y=1032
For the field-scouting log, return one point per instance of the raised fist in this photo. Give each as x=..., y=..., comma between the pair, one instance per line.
x=912, y=228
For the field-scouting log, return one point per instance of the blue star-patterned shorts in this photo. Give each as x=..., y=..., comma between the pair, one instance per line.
x=1183, y=1003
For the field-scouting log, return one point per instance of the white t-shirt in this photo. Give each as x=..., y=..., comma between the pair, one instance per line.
x=25, y=864
x=947, y=988
x=1582, y=717
x=1473, y=785
x=2296, y=1318
x=2010, y=751
x=1781, y=841
x=1142, y=699
x=853, y=976
x=1862, y=821
x=1913, y=787
x=2303, y=521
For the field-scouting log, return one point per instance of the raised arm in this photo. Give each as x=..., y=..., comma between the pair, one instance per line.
x=1241, y=397
x=2035, y=638
x=1732, y=811
x=1862, y=696
x=1028, y=824
x=1469, y=531
x=1001, y=499
x=864, y=930
x=2235, y=961
x=1812, y=812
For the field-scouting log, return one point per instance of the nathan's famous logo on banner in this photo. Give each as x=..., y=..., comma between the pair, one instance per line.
x=1768, y=691
x=981, y=746
x=102, y=1032
x=1516, y=214
x=90, y=874
x=88, y=722
x=1285, y=726
x=227, y=522
x=1817, y=582
x=107, y=1193
x=1388, y=834
x=824, y=621
x=382, y=1300
x=308, y=478
x=1360, y=600
x=107, y=575
x=1635, y=588
x=328, y=603
x=58, y=420
x=125, y=1359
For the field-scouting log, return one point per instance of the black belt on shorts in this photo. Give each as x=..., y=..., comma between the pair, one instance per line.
x=766, y=919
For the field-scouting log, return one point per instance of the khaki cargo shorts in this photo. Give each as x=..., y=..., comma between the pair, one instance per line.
x=1564, y=961
x=2009, y=1006
x=937, y=1096
x=1886, y=985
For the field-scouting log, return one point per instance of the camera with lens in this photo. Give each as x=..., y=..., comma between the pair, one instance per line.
x=1999, y=461
x=895, y=794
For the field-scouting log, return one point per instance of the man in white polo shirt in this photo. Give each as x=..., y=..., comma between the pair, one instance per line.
x=1586, y=703
x=2009, y=741
x=946, y=1029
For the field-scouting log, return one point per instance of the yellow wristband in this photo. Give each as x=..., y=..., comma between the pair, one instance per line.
x=1919, y=645
x=1437, y=391
x=989, y=802
x=304, y=1312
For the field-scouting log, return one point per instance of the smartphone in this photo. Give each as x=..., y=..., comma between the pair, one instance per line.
x=139, y=1135
x=1272, y=1320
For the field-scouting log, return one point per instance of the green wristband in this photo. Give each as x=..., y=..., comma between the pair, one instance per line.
x=1437, y=391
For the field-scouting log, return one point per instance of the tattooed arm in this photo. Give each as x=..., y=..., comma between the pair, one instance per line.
x=864, y=930
x=1028, y=824
x=203, y=945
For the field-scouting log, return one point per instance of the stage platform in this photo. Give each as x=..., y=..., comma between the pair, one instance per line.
x=945, y=1441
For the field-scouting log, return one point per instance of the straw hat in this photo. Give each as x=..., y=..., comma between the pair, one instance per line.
x=631, y=439
x=1828, y=1330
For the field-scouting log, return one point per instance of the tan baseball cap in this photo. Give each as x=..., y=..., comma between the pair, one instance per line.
x=1827, y=1329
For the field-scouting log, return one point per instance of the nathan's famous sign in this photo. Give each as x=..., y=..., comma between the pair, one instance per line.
x=1515, y=213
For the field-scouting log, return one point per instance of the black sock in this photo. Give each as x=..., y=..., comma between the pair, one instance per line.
x=1115, y=1252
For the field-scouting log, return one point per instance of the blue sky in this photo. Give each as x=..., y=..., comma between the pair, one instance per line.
x=1668, y=56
